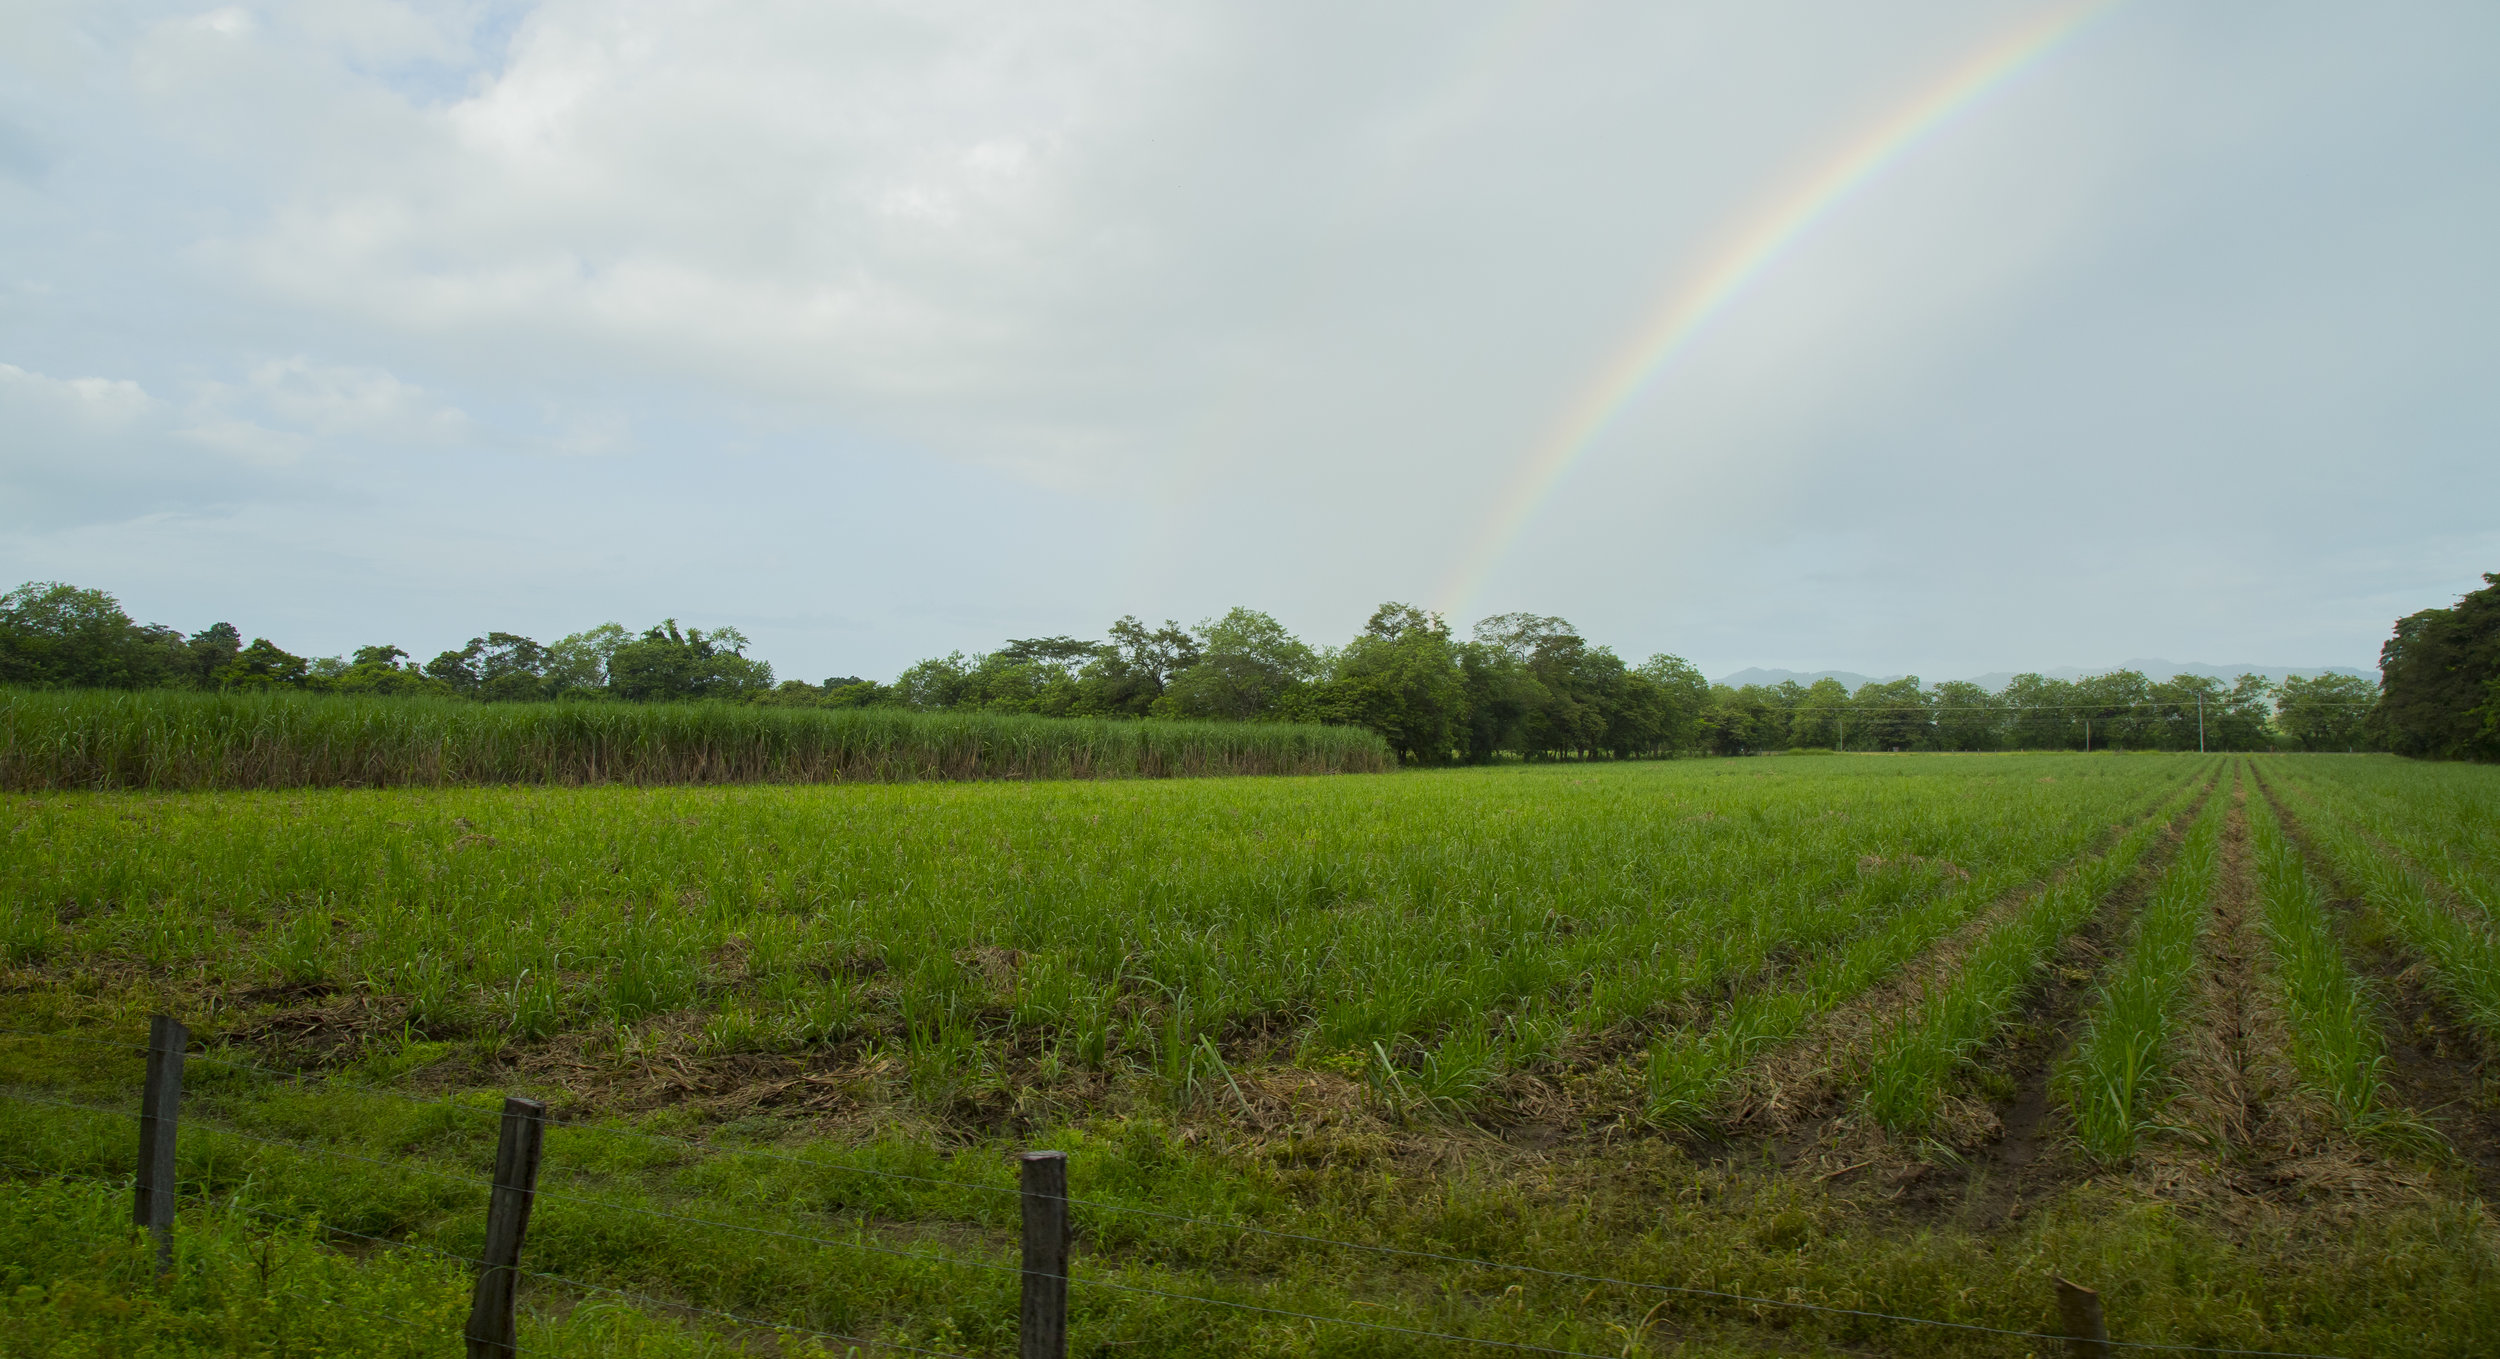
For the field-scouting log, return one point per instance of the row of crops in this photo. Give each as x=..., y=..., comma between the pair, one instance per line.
x=1448, y=929
x=1459, y=926
x=167, y=739
x=1302, y=1004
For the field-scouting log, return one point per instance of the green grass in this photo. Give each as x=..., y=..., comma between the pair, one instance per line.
x=2461, y=946
x=1467, y=919
x=80, y=1279
x=2116, y=1080
x=1419, y=1010
x=2445, y=817
x=1691, y=1069
x=2335, y=1022
x=165, y=740
x=1916, y=1059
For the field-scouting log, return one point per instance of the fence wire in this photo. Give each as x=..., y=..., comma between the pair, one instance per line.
x=1097, y=1205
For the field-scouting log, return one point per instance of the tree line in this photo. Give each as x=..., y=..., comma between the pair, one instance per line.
x=1518, y=684
x=2441, y=678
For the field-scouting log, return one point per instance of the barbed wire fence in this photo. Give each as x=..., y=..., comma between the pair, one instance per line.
x=1044, y=1246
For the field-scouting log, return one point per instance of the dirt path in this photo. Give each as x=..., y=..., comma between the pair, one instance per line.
x=2248, y=1132
x=2229, y=1065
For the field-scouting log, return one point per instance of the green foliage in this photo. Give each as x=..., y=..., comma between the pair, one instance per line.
x=1917, y=1057
x=1248, y=667
x=2459, y=943
x=2441, y=676
x=2117, y=1078
x=2334, y=1020
x=2121, y=710
x=58, y=635
x=1860, y=937
x=1401, y=678
x=665, y=665
x=923, y=979
x=168, y=739
x=1461, y=906
x=2329, y=712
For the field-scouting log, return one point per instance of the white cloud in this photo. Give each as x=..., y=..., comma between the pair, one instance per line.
x=247, y=440
x=332, y=399
x=92, y=402
x=1287, y=291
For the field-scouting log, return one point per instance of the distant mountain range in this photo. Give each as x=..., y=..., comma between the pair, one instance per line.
x=1998, y=679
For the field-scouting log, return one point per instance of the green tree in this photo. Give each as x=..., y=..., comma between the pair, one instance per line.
x=1683, y=696
x=510, y=668
x=1134, y=668
x=2179, y=704
x=375, y=670
x=667, y=663
x=2246, y=709
x=457, y=670
x=263, y=665
x=209, y=651
x=1498, y=695
x=2330, y=712
x=2439, y=680
x=577, y=665
x=61, y=635
x=500, y=667
x=1893, y=715
x=1580, y=702
x=1028, y=675
x=2041, y=713
x=2115, y=710
x=1750, y=720
x=1400, y=678
x=850, y=691
x=1819, y=716
x=933, y=684
x=1247, y=666
x=1967, y=717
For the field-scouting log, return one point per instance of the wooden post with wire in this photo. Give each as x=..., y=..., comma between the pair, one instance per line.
x=160, y=1104
x=490, y=1333
x=2079, y=1309
x=1042, y=1323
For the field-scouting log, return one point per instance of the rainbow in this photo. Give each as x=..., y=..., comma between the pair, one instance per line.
x=1685, y=310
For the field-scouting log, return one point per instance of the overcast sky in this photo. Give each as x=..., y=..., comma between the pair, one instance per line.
x=883, y=331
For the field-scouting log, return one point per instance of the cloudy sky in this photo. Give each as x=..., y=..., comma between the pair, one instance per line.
x=2012, y=335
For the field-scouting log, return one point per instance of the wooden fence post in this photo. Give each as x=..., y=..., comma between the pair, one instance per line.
x=1042, y=1325
x=160, y=1103
x=2080, y=1309
x=490, y=1334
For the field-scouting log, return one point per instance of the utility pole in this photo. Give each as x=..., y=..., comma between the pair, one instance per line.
x=2200, y=724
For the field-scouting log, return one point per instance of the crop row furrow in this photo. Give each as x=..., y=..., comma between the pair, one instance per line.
x=2118, y=1075
x=1698, y=1075
x=2461, y=953
x=2334, y=1022
x=1916, y=1056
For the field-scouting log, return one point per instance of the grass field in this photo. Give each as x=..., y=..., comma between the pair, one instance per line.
x=162, y=740
x=1891, y=1034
